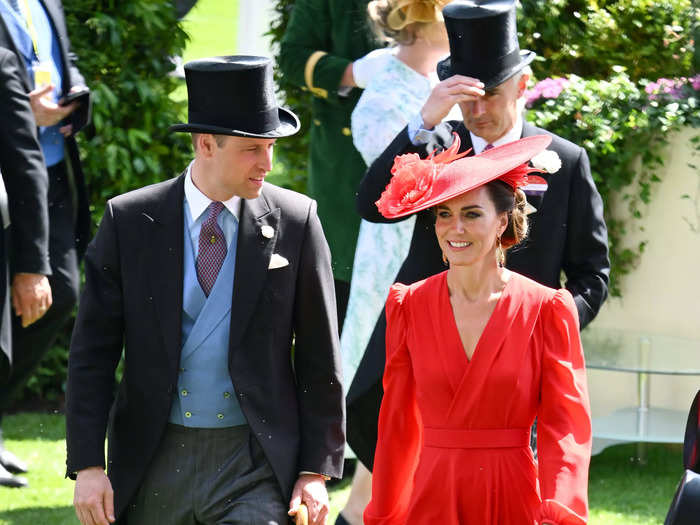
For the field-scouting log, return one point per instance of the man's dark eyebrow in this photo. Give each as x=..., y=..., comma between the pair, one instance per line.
x=491, y=91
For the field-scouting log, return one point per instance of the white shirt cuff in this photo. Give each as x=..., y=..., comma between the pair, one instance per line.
x=417, y=134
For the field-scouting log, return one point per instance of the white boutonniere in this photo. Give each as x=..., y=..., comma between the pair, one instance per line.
x=547, y=161
x=267, y=231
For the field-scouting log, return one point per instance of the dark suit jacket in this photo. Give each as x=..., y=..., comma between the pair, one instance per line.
x=24, y=247
x=567, y=233
x=133, y=299
x=71, y=77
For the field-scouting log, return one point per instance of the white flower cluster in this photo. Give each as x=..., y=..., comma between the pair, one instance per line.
x=547, y=161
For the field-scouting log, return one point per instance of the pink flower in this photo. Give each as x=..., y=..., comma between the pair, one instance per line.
x=671, y=87
x=547, y=88
x=413, y=179
x=695, y=82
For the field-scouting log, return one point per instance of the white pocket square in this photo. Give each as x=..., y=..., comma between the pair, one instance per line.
x=277, y=261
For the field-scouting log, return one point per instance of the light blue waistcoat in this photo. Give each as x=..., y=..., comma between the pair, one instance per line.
x=205, y=396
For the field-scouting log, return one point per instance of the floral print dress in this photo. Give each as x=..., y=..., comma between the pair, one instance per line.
x=392, y=97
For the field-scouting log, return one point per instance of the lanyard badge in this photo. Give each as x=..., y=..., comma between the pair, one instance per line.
x=41, y=68
x=42, y=74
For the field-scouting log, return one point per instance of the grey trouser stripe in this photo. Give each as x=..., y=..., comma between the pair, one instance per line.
x=203, y=476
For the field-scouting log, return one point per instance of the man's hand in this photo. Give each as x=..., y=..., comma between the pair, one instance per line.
x=66, y=130
x=311, y=490
x=47, y=113
x=31, y=296
x=93, y=497
x=446, y=94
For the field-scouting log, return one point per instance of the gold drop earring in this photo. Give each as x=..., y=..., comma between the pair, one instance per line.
x=500, y=256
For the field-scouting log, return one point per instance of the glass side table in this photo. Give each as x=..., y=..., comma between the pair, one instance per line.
x=644, y=355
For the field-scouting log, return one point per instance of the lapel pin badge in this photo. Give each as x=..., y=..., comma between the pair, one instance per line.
x=267, y=231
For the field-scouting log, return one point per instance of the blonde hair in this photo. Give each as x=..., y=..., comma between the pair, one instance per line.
x=399, y=21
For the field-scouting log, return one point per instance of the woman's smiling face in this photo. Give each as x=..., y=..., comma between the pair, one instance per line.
x=467, y=227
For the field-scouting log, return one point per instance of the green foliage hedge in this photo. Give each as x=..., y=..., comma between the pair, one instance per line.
x=650, y=38
x=619, y=122
x=123, y=49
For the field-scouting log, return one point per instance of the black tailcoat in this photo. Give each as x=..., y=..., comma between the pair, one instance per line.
x=26, y=183
x=567, y=234
x=133, y=300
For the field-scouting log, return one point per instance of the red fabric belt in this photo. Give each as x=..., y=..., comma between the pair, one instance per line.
x=486, y=438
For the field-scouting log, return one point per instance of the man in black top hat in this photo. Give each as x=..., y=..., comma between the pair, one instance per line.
x=205, y=280
x=486, y=75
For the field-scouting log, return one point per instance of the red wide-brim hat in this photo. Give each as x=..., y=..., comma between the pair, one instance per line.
x=418, y=184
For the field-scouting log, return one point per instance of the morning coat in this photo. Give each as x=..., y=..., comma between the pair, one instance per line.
x=133, y=300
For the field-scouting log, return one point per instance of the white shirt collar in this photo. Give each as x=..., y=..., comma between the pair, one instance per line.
x=198, y=202
x=514, y=134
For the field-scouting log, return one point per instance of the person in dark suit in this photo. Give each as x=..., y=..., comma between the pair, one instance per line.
x=35, y=31
x=216, y=415
x=486, y=75
x=24, y=237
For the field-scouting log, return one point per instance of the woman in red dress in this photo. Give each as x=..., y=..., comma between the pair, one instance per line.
x=474, y=354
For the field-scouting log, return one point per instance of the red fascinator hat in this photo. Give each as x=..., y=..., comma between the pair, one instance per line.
x=418, y=184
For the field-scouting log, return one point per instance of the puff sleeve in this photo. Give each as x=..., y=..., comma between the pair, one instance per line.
x=394, y=467
x=564, y=418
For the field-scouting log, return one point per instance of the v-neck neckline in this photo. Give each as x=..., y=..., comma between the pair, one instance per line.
x=453, y=320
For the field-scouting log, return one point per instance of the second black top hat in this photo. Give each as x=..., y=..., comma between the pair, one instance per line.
x=483, y=41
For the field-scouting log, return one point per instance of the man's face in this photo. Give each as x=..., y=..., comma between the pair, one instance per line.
x=240, y=164
x=493, y=115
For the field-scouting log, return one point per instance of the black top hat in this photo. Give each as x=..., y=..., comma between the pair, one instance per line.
x=483, y=41
x=235, y=95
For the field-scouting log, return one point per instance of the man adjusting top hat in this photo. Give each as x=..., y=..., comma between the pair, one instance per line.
x=205, y=280
x=486, y=76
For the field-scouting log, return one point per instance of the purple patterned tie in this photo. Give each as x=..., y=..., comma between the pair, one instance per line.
x=488, y=147
x=212, y=249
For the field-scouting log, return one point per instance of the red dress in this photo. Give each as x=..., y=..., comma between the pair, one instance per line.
x=453, y=442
